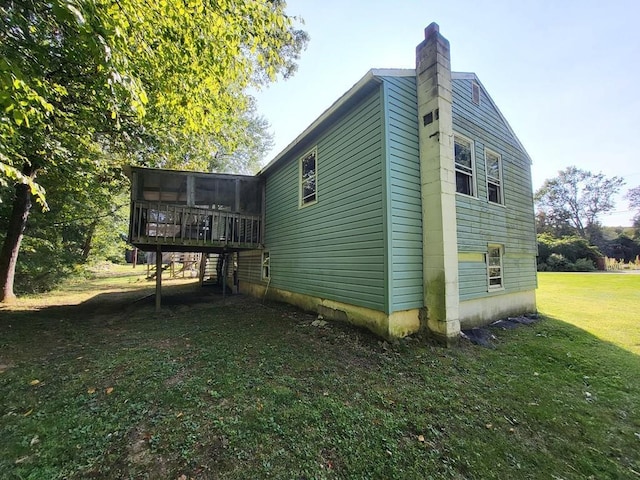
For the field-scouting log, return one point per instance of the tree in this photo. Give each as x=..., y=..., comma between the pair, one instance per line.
x=86, y=84
x=577, y=197
x=633, y=195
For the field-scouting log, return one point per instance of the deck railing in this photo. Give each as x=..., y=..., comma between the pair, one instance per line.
x=162, y=223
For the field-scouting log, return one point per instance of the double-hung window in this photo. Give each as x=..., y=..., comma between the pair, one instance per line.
x=308, y=178
x=463, y=150
x=493, y=164
x=494, y=267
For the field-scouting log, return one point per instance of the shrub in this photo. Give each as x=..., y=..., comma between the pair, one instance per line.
x=559, y=263
x=563, y=254
x=584, y=265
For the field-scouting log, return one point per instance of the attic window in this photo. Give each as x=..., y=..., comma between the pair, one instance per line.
x=475, y=93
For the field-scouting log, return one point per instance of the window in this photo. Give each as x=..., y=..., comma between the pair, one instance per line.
x=493, y=164
x=475, y=93
x=464, y=165
x=266, y=265
x=494, y=267
x=308, y=179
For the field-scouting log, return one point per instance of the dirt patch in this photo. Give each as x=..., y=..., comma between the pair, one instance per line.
x=139, y=455
x=176, y=379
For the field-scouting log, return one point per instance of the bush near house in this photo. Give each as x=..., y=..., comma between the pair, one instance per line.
x=566, y=254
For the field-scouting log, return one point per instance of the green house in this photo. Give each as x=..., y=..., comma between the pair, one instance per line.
x=406, y=205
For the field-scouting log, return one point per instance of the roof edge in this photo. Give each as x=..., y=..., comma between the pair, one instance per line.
x=393, y=72
x=369, y=77
x=129, y=169
x=375, y=75
x=474, y=77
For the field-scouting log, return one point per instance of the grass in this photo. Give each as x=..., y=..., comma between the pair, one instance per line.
x=605, y=305
x=108, y=389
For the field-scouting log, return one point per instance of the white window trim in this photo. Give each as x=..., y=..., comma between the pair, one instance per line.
x=501, y=179
x=495, y=288
x=265, y=264
x=474, y=185
x=314, y=150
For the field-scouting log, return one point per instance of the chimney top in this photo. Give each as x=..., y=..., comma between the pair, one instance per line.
x=432, y=29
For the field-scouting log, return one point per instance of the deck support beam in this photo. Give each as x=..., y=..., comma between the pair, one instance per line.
x=158, y=278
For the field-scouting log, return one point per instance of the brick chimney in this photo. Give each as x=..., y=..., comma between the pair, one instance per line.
x=437, y=177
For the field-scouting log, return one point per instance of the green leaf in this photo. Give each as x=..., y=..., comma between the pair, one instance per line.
x=18, y=117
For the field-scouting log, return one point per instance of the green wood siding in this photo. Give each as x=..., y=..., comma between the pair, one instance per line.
x=403, y=185
x=250, y=266
x=334, y=249
x=480, y=222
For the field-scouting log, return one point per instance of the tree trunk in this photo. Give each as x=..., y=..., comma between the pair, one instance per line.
x=86, y=248
x=11, y=245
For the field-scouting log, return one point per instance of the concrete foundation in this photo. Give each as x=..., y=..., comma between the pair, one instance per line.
x=389, y=326
x=482, y=311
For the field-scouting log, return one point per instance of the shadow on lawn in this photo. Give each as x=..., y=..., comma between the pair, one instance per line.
x=95, y=316
x=242, y=378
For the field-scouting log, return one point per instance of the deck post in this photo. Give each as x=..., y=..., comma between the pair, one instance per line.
x=224, y=277
x=158, y=277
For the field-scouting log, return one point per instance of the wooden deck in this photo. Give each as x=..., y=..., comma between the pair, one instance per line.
x=181, y=228
x=181, y=211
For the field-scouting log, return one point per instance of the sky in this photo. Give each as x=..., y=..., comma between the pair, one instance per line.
x=562, y=72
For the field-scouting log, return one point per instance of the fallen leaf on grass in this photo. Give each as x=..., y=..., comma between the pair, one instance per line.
x=21, y=459
x=34, y=382
x=34, y=441
x=421, y=438
x=91, y=391
x=179, y=414
x=26, y=414
x=489, y=426
x=109, y=391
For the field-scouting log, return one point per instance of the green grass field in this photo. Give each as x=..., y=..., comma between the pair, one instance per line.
x=237, y=389
x=604, y=304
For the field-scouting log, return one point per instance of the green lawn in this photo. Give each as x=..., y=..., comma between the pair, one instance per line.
x=604, y=304
x=238, y=389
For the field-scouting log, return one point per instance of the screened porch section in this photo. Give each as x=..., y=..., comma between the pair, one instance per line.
x=189, y=211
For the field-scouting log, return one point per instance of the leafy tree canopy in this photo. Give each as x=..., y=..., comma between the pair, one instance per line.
x=577, y=198
x=87, y=85
x=168, y=69
x=633, y=195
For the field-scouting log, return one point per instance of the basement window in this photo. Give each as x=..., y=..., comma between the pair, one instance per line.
x=464, y=165
x=266, y=265
x=494, y=267
x=308, y=176
x=493, y=165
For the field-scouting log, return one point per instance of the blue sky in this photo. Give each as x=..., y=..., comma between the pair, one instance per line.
x=563, y=72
